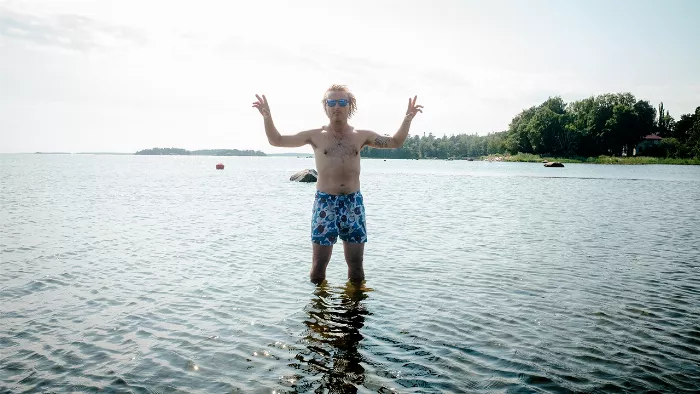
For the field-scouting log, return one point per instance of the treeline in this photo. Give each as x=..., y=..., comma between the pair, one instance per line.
x=227, y=152
x=680, y=139
x=608, y=124
x=431, y=147
x=201, y=152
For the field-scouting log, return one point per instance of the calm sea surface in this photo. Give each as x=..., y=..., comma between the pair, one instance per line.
x=162, y=274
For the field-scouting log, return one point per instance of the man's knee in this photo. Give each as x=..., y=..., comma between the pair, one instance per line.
x=355, y=260
x=321, y=259
x=356, y=271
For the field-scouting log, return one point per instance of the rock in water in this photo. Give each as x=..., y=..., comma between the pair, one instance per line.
x=308, y=175
x=553, y=164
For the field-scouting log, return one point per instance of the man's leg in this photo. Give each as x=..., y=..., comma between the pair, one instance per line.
x=354, y=236
x=321, y=257
x=354, y=256
x=324, y=234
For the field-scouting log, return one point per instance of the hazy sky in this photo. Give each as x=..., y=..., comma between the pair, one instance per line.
x=126, y=75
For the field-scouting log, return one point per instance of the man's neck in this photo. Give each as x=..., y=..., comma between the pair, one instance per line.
x=338, y=127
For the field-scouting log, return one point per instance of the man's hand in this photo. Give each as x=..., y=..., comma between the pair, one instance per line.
x=262, y=106
x=412, y=110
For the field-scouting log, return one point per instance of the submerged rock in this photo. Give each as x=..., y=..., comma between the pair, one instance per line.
x=308, y=175
x=553, y=164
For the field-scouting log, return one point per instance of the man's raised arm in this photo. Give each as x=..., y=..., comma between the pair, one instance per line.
x=273, y=135
x=379, y=141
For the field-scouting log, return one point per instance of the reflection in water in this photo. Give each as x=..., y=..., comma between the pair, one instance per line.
x=331, y=360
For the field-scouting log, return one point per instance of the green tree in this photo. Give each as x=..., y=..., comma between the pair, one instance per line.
x=644, y=125
x=617, y=126
x=694, y=135
x=684, y=126
x=542, y=130
x=518, y=140
x=664, y=123
x=582, y=125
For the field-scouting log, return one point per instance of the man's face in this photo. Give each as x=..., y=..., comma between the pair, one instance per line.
x=334, y=106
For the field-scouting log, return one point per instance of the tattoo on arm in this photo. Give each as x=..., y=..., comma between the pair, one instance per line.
x=381, y=142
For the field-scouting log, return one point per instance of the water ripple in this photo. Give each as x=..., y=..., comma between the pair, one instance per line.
x=146, y=274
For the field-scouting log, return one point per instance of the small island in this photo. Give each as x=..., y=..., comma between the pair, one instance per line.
x=201, y=152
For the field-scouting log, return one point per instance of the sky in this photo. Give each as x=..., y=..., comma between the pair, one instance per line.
x=121, y=76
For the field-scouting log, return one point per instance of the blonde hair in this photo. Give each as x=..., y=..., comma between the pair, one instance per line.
x=342, y=88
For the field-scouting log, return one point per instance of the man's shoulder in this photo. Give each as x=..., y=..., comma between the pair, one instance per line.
x=365, y=135
x=361, y=132
x=313, y=132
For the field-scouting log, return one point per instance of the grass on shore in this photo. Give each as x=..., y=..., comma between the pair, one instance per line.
x=530, y=158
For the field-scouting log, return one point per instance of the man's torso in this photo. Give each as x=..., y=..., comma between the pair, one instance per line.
x=338, y=160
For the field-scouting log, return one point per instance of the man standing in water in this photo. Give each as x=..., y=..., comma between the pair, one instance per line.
x=338, y=209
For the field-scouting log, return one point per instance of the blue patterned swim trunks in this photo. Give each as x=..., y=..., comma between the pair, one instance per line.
x=336, y=216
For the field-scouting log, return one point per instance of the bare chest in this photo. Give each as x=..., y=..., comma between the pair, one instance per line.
x=338, y=148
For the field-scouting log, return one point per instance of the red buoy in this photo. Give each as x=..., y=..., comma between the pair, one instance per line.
x=220, y=166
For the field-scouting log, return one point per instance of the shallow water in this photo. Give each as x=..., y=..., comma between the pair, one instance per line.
x=161, y=274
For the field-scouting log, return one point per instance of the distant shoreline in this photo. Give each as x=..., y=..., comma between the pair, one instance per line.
x=518, y=158
x=636, y=160
x=183, y=152
x=201, y=152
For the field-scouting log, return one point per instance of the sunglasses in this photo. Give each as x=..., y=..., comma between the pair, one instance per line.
x=341, y=102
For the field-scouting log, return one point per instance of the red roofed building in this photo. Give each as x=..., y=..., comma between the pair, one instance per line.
x=647, y=142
